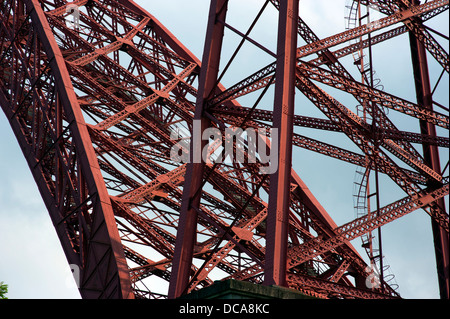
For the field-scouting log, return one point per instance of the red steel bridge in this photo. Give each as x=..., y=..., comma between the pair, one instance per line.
x=100, y=93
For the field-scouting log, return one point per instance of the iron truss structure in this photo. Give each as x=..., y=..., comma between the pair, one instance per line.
x=99, y=93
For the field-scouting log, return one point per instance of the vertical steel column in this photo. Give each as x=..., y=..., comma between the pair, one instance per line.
x=279, y=192
x=431, y=157
x=186, y=233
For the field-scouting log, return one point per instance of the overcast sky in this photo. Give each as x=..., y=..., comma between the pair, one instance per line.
x=31, y=259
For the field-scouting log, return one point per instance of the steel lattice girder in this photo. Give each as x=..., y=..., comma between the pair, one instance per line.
x=94, y=109
x=50, y=128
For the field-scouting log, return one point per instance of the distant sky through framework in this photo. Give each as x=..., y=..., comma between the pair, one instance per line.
x=100, y=93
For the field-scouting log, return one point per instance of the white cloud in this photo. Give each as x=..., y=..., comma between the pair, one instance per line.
x=325, y=18
x=32, y=261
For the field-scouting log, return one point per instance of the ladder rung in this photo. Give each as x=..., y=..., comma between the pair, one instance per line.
x=364, y=16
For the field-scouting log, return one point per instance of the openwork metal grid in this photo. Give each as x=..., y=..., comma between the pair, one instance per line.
x=99, y=95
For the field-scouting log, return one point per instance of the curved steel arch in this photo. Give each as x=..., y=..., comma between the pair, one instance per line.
x=50, y=128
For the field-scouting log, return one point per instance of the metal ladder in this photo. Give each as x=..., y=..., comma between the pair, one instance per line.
x=361, y=195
